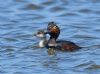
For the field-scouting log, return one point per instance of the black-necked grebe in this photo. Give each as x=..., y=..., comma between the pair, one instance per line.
x=43, y=40
x=53, y=30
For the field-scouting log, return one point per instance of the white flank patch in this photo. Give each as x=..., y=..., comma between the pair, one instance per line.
x=41, y=43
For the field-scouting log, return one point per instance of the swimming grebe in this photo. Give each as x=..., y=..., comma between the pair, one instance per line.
x=53, y=30
x=44, y=41
x=41, y=34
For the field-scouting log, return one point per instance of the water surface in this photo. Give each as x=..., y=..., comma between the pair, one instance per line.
x=79, y=21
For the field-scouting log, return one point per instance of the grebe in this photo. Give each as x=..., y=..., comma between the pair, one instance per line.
x=42, y=35
x=53, y=30
x=44, y=41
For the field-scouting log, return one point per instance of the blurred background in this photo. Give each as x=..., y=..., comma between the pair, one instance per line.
x=79, y=21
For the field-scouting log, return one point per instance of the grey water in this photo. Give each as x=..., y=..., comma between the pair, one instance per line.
x=79, y=21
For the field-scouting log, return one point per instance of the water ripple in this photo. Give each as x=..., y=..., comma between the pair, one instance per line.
x=79, y=22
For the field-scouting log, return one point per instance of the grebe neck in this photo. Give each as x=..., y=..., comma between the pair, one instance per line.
x=43, y=42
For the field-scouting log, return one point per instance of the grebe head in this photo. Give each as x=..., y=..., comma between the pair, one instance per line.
x=40, y=34
x=53, y=30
